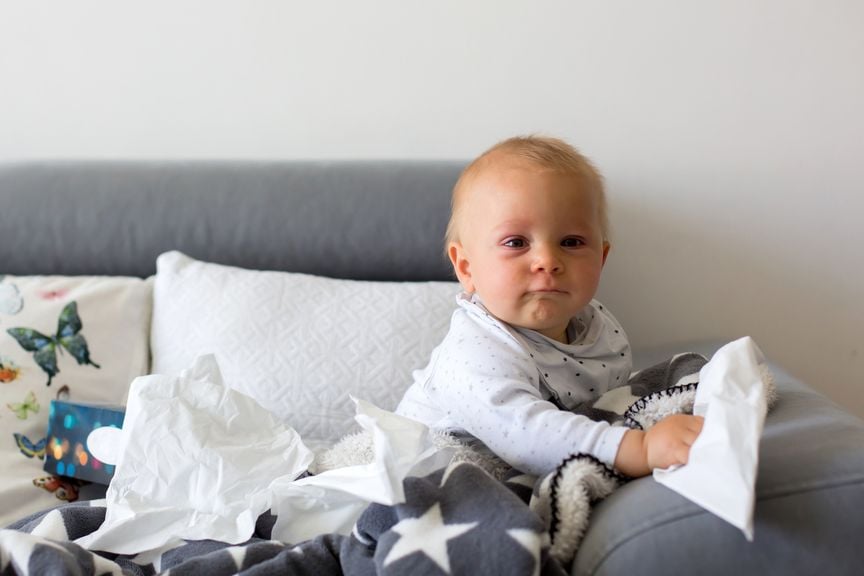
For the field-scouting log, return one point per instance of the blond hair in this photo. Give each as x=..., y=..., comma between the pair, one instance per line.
x=542, y=151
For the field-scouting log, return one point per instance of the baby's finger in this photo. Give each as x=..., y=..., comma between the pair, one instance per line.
x=689, y=437
x=696, y=423
x=682, y=453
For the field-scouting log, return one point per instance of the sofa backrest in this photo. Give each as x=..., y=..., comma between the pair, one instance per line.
x=372, y=220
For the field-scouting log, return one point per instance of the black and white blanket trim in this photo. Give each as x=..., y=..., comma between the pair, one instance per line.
x=476, y=516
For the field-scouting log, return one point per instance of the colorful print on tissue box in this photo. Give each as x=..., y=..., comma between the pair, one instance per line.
x=69, y=425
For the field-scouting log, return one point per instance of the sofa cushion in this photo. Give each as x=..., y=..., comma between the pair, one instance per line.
x=88, y=337
x=298, y=344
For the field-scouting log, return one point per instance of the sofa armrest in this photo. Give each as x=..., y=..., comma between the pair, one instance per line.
x=809, y=497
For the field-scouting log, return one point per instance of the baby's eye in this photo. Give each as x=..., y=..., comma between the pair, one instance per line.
x=514, y=243
x=572, y=242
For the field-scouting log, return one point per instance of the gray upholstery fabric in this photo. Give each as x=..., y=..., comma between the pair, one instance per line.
x=810, y=491
x=361, y=220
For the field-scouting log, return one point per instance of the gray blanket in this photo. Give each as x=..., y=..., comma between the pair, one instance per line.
x=476, y=516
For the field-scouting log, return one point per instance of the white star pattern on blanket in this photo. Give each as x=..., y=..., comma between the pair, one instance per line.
x=427, y=534
x=531, y=541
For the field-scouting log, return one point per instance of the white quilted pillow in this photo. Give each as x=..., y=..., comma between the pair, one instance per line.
x=298, y=344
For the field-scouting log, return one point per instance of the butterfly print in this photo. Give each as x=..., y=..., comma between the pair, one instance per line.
x=63, y=392
x=11, y=301
x=30, y=404
x=44, y=348
x=8, y=371
x=28, y=448
x=63, y=488
x=52, y=294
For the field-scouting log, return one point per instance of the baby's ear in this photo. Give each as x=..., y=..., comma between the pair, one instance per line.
x=606, y=248
x=461, y=265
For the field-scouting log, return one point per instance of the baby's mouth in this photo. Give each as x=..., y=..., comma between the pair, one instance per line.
x=544, y=291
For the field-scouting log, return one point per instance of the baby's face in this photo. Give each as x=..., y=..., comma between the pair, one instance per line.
x=531, y=246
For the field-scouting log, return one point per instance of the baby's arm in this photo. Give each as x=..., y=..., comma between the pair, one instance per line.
x=488, y=387
x=665, y=444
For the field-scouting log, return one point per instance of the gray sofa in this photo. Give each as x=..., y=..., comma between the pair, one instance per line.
x=114, y=218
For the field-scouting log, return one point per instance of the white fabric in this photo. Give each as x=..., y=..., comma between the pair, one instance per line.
x=720, y=475
x=494, y=382
x=298, y=344
x=332, y=501
x=115, y=322
x=197, y=460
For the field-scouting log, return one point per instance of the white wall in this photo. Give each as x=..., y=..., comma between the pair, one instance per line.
x=731, y=133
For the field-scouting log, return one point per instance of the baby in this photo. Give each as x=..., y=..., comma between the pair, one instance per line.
x=528, y=346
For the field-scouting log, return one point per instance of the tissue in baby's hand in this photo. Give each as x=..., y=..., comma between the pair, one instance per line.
x=196, y=462
x=720, y=475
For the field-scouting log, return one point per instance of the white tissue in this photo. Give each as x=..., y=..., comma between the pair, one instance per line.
x=333, y=500
x=104, y=444
x=720, y=475
x=196, y=462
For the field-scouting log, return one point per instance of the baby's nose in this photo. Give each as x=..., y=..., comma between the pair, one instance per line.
x=547, y=261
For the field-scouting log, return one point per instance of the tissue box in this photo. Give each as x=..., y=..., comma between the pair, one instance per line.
x=69, y=424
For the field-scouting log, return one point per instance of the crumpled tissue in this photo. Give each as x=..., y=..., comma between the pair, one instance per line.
x=332, y=501
x=720, y=474
x=196, y=461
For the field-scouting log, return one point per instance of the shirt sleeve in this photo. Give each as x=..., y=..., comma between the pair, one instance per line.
x=487, y=384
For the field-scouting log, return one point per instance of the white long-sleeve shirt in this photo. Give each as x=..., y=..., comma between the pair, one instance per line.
x=516, y=390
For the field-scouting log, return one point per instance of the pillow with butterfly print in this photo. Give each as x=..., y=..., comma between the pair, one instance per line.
x=77, y=338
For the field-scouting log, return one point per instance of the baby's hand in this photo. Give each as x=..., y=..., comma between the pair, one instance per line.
x=668, y=442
